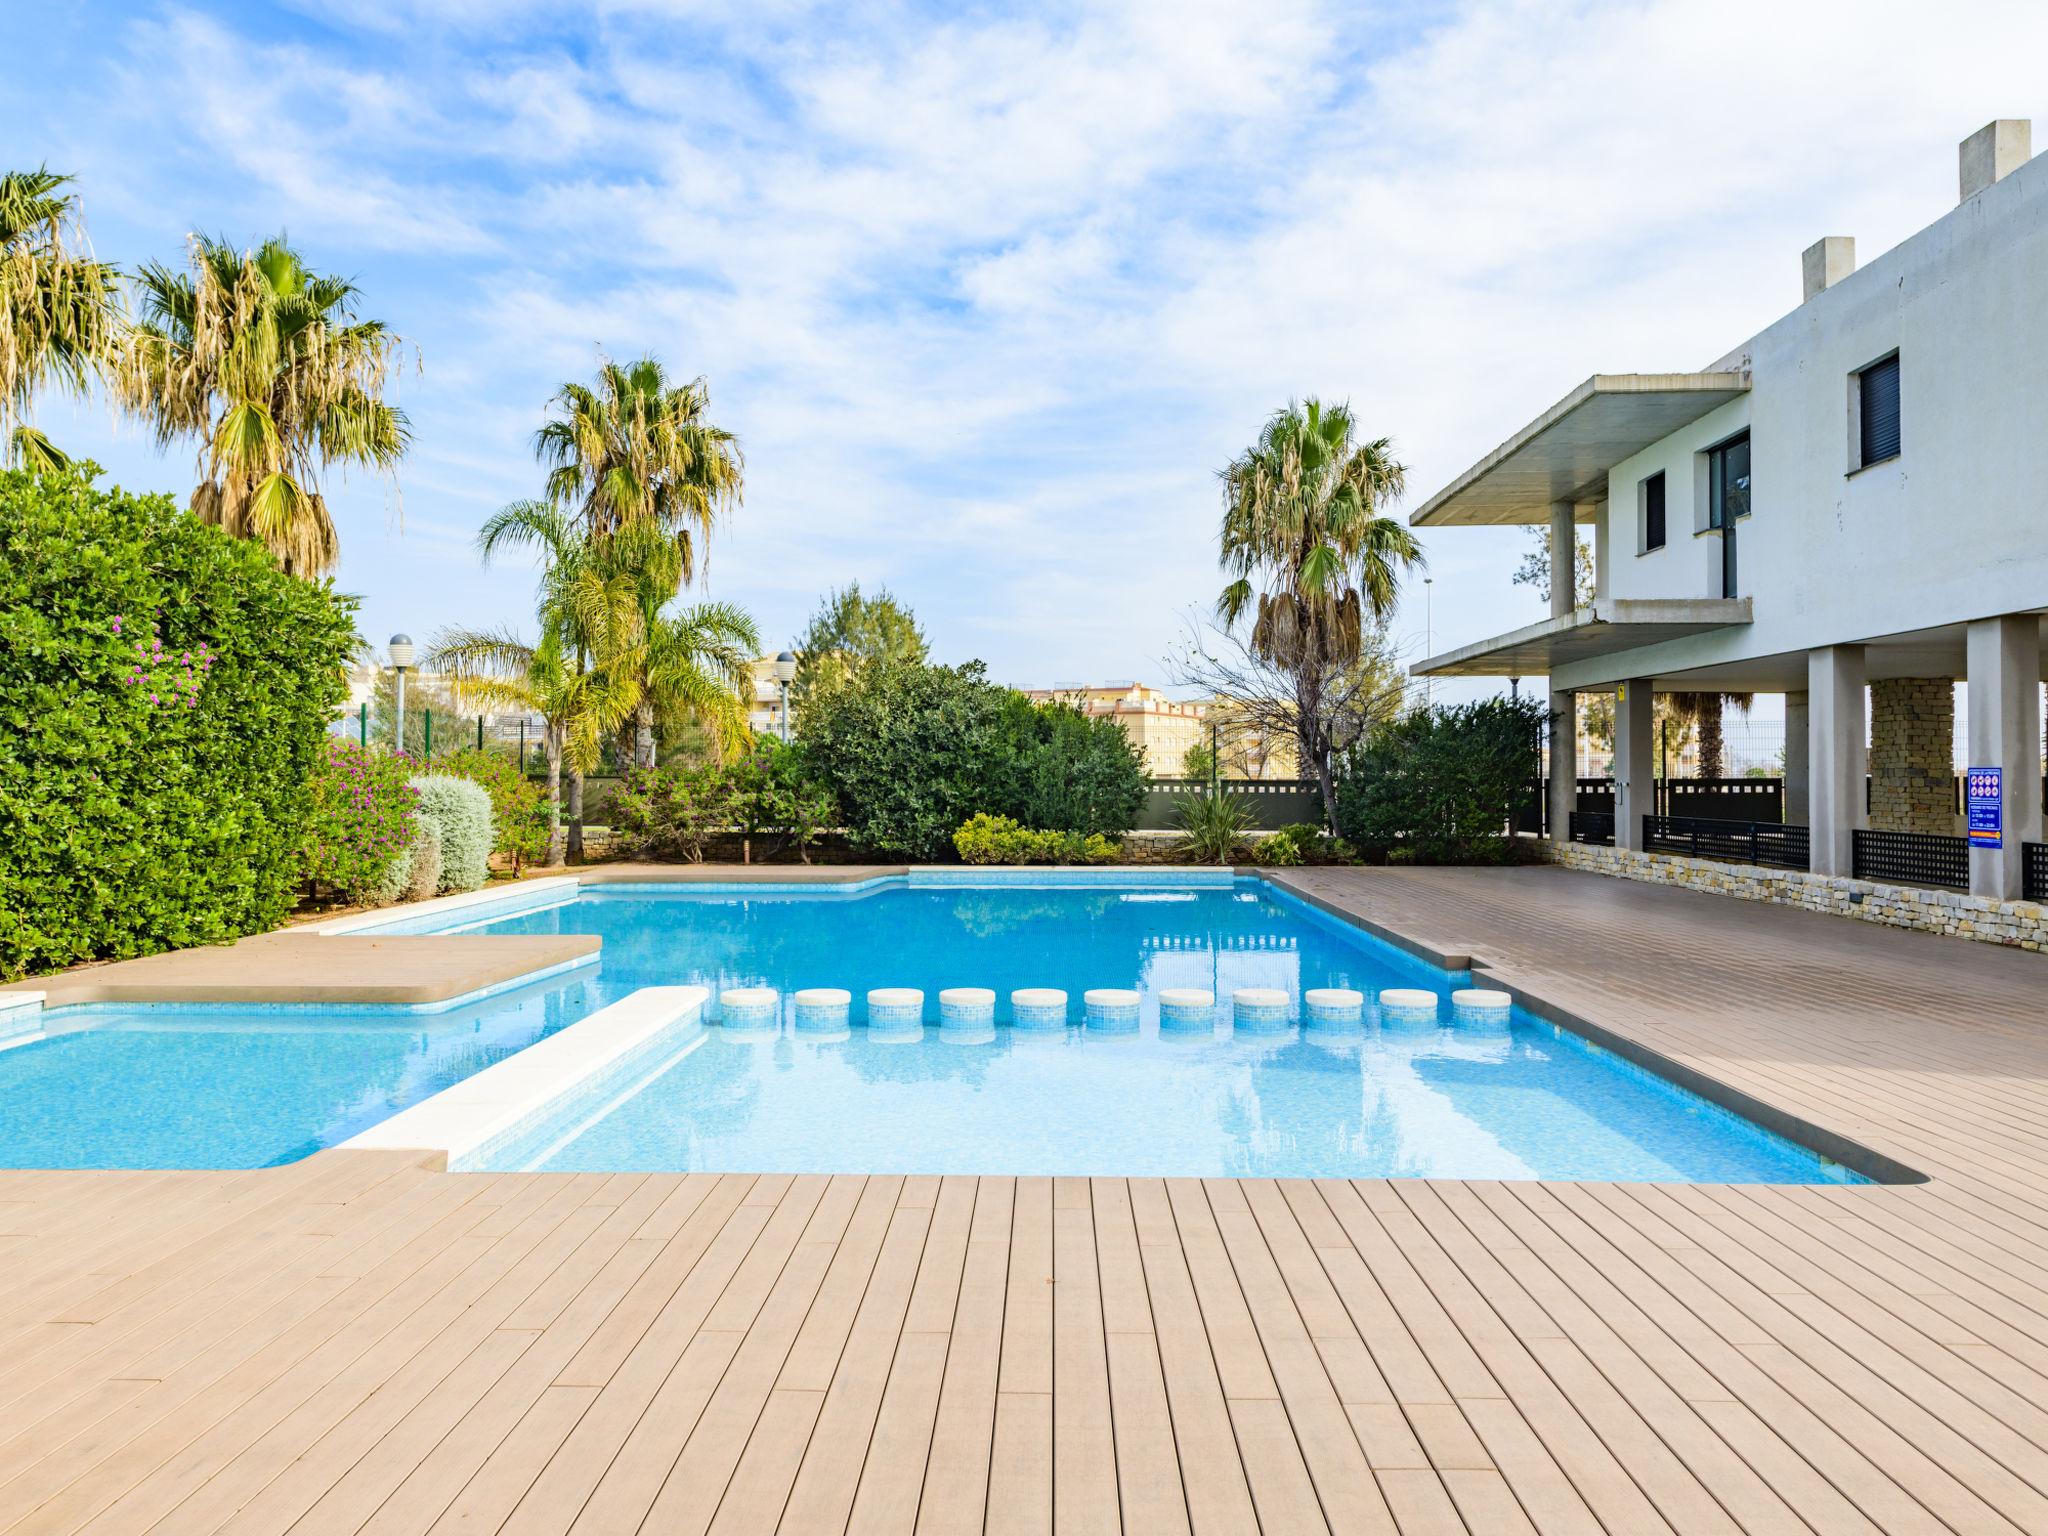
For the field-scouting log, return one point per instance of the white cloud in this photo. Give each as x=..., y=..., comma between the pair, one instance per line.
x=990, y=296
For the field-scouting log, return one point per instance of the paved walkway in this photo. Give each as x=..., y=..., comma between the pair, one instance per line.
x=355, y=1344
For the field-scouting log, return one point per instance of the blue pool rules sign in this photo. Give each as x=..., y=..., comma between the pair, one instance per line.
x=1986, y=807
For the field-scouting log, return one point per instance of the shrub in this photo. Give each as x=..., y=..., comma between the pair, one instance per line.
x=1442, y=783
x=672, y=810
x=423, y=877
x=1212, y=827
x=519, y=807
x=359, y=820
x=986, y=839
x=165, y=691
x=462, y=811
x=916, y=750
x=1277, y=851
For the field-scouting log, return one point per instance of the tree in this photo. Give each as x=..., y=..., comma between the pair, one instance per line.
x=1703, y=712
x=851, y=631
x=1317, y=566
x=1534, y=571
x=264, y=362
x=59, y=310
x=1442, y=782
x=1259, y=699
x=636, y=452
x=579, y=706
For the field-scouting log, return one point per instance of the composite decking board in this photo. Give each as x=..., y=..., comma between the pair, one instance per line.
x=240, y=1453
x=330, y=1347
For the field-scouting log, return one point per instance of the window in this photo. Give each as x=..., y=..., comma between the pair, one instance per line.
x=1877, y=411
x=1653, y=512
x=1728, y=500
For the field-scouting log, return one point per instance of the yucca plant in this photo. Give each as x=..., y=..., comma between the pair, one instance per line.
x=1212, y=826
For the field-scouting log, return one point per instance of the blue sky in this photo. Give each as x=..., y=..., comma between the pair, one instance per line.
x=990, y=293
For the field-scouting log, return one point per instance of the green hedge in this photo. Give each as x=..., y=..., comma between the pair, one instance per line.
x=1442, y=784
x=912, y=751
x=164, y=694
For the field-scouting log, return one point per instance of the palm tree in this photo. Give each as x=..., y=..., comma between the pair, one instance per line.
x=264, y=361
x=1315, y=562
x=635, y=452
x=59, y=310
x=1703, y=710
x=579, y=706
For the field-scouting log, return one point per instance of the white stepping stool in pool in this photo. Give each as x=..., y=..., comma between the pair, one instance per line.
x=967, y=1015
x=750, y=1010
x=1333, y=1010
x=823, y=1011
x=1481, y=1009
x=895, y=1014
x=1038, y=1008
x=1407, y=1008
x=1187, y=1008
x=1259, y=1010
x=1111, y=1009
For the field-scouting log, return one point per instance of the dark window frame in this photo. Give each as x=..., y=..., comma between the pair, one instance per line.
x=1879, y=438
x=1721, y=498
x=1656, y=512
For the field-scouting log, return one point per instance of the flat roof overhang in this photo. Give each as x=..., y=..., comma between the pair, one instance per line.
x=1600, y=628
x=1565, y=454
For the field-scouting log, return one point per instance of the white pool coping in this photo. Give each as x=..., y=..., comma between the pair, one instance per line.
x=466, y=1120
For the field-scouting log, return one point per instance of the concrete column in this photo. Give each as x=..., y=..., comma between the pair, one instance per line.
x=1837, y=755
x=1635, y=760
x=1602, y=548
x=1564, y=568
x=1564, y=764
x=2004, y=658
x=1796, y=776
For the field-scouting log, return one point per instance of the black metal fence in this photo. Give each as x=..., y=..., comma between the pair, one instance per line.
x=1274, y=803
x=1913, y=858
x=1592, y=827
x=1750, y=800
x=2034, y=871
x=1744, y=842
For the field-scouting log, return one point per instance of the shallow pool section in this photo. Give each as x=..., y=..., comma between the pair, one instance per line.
x=1525, y=1102
x=198, y=1086
x=1518, y=1100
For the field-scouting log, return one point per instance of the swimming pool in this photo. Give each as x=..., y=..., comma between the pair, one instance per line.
x=1442, y=1100
x=194, y=1085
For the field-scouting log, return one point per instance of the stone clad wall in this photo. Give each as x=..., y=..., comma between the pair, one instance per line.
x=2020, y=923
x=1912, y=754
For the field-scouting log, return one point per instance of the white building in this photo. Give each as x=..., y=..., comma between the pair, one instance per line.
x=1893, y=539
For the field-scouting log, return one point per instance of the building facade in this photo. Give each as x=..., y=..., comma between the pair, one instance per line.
x=1848, y=509
x=1160, y=728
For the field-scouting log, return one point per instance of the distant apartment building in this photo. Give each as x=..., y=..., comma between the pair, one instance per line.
x=1160, y=728
x=764, y=698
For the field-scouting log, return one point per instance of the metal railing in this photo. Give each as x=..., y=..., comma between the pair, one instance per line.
x=1742, y=842
x=1912, y=858
x=2034, y=871
x=1592, y=827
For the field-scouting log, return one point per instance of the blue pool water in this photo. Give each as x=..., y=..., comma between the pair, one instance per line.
x=1523, y=1102
x=190, y=1086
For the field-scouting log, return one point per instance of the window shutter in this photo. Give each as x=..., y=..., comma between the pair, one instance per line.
x=1879, y=401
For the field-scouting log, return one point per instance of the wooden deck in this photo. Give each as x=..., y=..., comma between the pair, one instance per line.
x=357, y=1344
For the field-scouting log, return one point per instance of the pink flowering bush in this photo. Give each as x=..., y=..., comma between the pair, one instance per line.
x=360, y=818
x=171, y=678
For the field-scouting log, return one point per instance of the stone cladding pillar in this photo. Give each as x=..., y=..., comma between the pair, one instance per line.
x=1912, y=754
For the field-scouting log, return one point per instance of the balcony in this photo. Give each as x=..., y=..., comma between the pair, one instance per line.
x=1601, y=628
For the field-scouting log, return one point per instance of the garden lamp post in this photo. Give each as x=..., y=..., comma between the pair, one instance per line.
x=785, y=670
x=401, y=658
